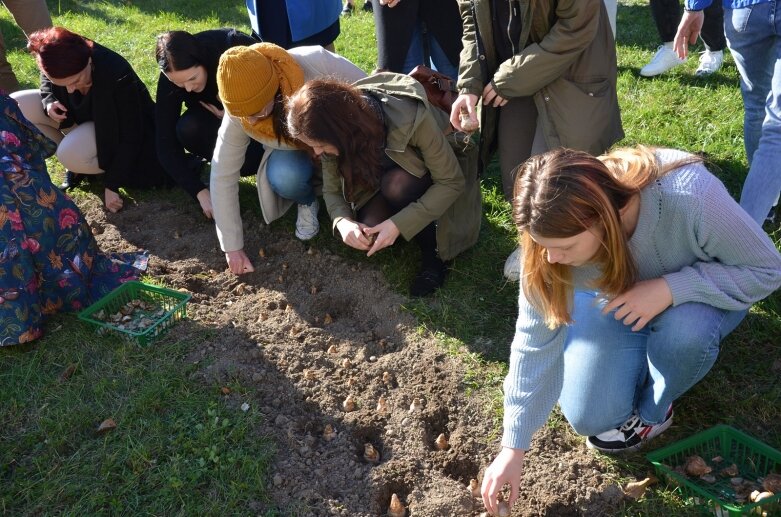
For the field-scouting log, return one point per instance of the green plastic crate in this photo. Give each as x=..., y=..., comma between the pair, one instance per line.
x=753, y=458
x=174, y=304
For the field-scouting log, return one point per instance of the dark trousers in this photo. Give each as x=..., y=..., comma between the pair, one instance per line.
x=667, y=15
x=197, y=132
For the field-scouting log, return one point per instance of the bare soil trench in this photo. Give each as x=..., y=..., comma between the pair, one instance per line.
x=309, y=328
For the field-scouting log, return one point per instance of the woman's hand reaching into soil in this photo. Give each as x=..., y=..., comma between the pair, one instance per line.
x=238, y=262
x=353, y=234
x=205, y=199
x=382, y=235
x=507, y=467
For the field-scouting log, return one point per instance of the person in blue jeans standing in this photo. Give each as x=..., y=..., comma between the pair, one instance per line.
x=636, y=265
x=753, y=29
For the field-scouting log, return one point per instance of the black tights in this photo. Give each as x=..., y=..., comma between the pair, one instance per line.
x=197, y=132
x=399, y=188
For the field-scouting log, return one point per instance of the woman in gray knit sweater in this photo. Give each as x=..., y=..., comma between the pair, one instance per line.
x=635, y=266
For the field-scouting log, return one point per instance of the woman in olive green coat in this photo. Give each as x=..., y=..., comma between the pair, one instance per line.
x=389, y=169
x=547, y=79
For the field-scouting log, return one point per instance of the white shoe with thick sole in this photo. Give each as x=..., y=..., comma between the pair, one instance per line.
x=512, y=266
x=307, y=224
x=664, y=60
x=710, y=62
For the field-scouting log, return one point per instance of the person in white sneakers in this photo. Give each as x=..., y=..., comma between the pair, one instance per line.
x=253, y=84
x=636, y=265
x=667, y=14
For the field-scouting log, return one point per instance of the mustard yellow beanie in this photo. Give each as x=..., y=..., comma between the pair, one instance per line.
x=246, y=81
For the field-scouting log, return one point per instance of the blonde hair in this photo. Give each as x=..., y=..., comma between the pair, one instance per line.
x=565, y=192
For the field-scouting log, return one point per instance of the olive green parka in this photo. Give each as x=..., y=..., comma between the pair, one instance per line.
x=416, y=141
x=566, y=61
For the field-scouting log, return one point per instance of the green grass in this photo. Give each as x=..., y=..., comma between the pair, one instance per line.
x=181, y=447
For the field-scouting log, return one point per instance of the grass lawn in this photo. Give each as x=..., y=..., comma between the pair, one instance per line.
x=183, y=451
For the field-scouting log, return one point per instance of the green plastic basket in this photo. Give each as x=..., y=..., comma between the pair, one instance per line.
x=168, y=307
x=753, y=458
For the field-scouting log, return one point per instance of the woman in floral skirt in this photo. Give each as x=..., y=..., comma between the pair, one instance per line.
x=49, y=261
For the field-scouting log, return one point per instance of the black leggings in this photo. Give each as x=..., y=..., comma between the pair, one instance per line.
x=197, y=132
x=399, y=188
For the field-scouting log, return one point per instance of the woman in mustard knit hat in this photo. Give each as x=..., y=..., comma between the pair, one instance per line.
x=253, y=83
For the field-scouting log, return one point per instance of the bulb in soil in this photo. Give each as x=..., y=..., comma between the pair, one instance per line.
x=416, y=405
x=441, y=442
x=503, y=508
x=371, y=454
x=474, y=488
x=387, y=378
x=349, y=404
x=332, y=349
x=695, y=466
x=772, y=483
x=262, y=253
x=329, y=433
x=396, y=509
x=346, y=363
x=309, y=375
x=382, y=406
x=313, y=289
x=327, y=319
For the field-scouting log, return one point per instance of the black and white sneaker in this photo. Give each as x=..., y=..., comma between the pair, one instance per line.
x=630, y=436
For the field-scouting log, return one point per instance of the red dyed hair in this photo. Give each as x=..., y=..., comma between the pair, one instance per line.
x=59, y=52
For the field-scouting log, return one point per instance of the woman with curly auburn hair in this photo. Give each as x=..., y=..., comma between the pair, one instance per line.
x=389, y=169
x=635, y=267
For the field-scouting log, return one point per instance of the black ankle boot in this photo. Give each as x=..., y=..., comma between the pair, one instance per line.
x=430, y=278
x=71, y=180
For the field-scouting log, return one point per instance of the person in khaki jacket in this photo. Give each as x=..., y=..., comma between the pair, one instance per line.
x=546, y=72
x=389, y=169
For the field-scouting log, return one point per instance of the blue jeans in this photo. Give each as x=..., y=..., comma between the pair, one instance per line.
x=610, y=371
x=439, y=60
x=754, y=38
x=290, y=175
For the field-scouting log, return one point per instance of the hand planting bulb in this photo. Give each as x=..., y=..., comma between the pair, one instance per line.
x=503, y=507
x=396, y=509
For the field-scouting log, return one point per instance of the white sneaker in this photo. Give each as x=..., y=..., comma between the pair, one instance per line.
x=307, y=224
x=709, y=62
x=512, y=266
x=664, y=60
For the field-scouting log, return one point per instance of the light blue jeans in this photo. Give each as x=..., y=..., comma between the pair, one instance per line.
x=610, y=371
x=754, y=38
x=438, y=61
x=290, y=175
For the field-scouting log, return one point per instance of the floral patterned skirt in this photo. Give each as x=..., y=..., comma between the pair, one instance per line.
x=49, y=260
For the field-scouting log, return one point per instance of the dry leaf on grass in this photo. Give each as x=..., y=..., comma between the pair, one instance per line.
x=636, y=489
x=106, y=426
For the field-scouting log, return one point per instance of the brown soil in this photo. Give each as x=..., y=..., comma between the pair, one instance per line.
x=286, y=332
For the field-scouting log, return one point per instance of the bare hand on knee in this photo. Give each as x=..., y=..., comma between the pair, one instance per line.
x=641, y=303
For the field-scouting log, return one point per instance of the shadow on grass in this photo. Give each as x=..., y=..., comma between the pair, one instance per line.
x=195, y=10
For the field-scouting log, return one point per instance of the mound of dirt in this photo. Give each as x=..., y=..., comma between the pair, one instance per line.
x=307, y=330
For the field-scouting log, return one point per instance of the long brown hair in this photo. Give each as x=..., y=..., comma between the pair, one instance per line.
x=333, y=112
x=565, y=192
